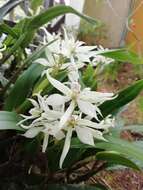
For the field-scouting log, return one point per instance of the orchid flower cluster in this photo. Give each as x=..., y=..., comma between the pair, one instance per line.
x=74, y=109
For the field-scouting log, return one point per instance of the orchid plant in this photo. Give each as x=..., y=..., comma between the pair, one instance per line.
x=50, y=96
x=77, y=107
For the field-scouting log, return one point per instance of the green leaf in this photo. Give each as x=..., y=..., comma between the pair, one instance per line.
x=8, y=120
x=30, y=25
x=89, y=77
x=16, y=45
x=123, y=98
x=116, y=158
x=123, y=55
x=7, y=7
x=23, y=79
x=116, y=151
x=128, y=149
x=4, y=28
x=23, y=87
x=54, y=12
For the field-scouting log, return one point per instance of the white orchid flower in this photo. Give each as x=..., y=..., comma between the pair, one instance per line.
x=100, y=59
x=42, y=119
x=51, y=129
x=39, y=113
x=39, y=107
x=68, y=47
x=108, y=122
x=86, y=131
x=66, y=53
x=86, y=100
x=71, y=48
x=55, y=62
x=48, y=129
x=54, y=47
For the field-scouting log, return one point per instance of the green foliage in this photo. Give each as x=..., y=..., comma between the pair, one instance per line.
x=4, y=28
x=123, y=98
x=89, y=77
x=9, y=120
x=116, y=158
x=53, y=12
x=27, y=79
x=23, y=87
x=128, y=149
x=123, y=55
x=114, y=151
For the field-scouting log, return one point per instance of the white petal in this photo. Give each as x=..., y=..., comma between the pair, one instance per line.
x=58, y=85
x=26, y=119
x=43, y=62
x=42, y=102
x=66, y=146
x=80, y=65
x=87, y=108
x=85, y=135
x=25, y=126
x=35, y=104
x=35, y=112
x=98, y=134
x=95, y=97
x=83, y=58
x=52, y=114
x=55, y=100
x=65, y=65
x=60, y=135
x=32, y=132
x=49, y=36
x=50, y=57
x=73, y=73
x=52, y=129
x=37, y=121
x=67, y=114
x=73, y=76
x=45, y=142
x=98, y=110
x=88, y=123
x=85, y=49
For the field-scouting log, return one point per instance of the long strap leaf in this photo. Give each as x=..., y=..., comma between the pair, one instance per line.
x=54, y=12
x=9, y=120
x=123, y=98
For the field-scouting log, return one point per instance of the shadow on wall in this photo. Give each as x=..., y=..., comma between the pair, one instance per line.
x=123, y=21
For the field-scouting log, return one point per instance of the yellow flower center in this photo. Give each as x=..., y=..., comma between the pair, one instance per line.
x=72, y=122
